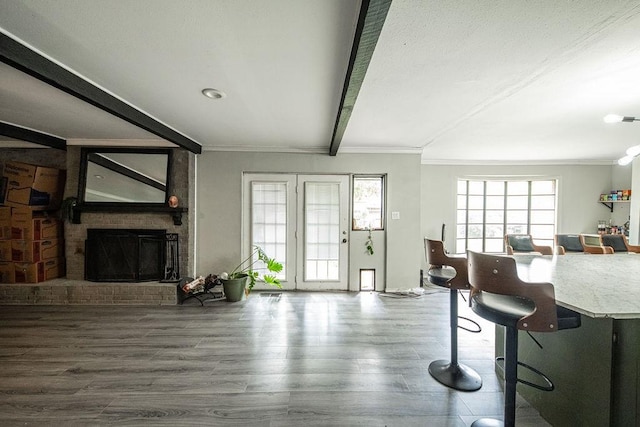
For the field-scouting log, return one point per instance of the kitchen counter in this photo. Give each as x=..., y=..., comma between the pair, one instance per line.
x=594, y=367
x=593, y=285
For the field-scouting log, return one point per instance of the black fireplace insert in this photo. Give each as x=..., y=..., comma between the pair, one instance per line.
x=130, y=255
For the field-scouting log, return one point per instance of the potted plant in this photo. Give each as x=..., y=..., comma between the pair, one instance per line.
x=235, y=283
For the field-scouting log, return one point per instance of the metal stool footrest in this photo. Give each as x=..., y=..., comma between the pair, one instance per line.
x=549, y=384
x=474, y=331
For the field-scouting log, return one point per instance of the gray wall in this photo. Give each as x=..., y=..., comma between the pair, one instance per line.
x=579, y=189
x=219, y=201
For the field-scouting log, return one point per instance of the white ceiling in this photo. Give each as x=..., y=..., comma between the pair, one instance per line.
x=463, y=81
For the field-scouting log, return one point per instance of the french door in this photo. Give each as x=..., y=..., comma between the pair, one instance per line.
x=302, y=221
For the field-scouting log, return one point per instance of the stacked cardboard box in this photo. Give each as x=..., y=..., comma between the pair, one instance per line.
x=37, y=248
x=31, y=239
x=36, y=187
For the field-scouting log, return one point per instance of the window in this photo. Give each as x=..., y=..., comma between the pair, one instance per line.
x=368, y=203
x=487, y=210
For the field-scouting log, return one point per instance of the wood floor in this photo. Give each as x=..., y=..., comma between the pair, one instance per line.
x=290, y=359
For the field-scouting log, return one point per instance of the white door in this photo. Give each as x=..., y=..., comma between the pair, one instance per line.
x=302, y=221
x=323, y=232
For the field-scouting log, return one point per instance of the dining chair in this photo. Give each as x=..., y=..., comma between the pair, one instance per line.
x=523, y=243
x=619, y=243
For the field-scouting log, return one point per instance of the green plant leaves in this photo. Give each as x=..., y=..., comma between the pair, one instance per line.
x=245, y=267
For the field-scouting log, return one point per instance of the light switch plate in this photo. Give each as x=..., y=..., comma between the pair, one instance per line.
x=395, y=215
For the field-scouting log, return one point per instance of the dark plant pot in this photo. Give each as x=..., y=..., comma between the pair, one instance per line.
x=234, y=288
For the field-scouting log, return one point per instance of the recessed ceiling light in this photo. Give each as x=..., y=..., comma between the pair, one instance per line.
x=213, y=93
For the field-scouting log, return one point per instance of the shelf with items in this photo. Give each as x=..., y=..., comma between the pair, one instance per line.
x=615, y=196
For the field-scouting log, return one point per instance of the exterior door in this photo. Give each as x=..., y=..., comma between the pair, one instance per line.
x=302, y=221
x=323, y=232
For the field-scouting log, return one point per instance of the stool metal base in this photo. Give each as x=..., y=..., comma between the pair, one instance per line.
x=457, y=376
x=487, y=422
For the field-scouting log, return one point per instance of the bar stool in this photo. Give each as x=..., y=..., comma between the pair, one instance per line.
x=499, y=296
x=451, y=273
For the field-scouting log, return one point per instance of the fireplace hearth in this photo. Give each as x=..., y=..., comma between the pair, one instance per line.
x=130, y=255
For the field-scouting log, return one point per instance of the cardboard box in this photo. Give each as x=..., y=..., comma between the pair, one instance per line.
x=5, y=222
x=30, y=225
x=37, y=272
x=39, y=187
x=7, y=272
x=5, y=250
x=36, y=250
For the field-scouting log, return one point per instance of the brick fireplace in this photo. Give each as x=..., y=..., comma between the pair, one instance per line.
x=76, y=234
x=74, y=289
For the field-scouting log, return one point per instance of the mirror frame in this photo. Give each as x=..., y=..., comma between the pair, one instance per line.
x=82, y=181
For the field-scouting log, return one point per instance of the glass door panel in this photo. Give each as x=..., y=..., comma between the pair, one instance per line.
x=324, y=213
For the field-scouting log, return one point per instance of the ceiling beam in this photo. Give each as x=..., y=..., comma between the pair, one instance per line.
x=372, y=16
x=24, y=59
x=24, y=134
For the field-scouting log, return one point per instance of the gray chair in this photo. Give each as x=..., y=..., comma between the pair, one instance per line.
x=619, y=243
x=575, y=243
x=523, y=243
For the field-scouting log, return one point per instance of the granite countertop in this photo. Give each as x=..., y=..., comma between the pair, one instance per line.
x=593, y=285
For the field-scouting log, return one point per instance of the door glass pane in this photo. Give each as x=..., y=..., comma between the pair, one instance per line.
x=269, y=223
x=322, y=231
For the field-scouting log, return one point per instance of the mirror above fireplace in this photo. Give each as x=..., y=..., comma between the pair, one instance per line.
x=124, y=176
x=125, y=180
